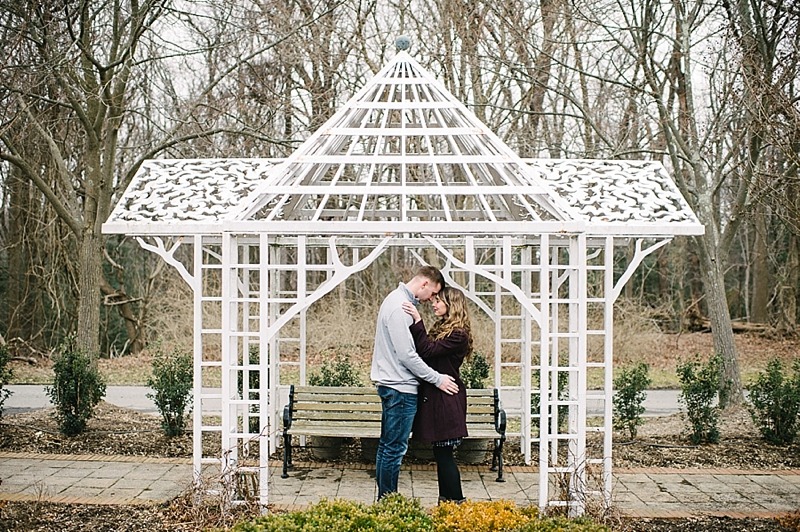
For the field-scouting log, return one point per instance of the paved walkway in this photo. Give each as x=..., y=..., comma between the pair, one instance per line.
x=642, y=492
x=27, y=397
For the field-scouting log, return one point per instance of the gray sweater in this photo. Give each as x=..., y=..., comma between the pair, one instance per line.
x=395, y=362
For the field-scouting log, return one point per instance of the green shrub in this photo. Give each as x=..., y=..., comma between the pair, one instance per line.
x=475, y=371
x=172, y=383
x=339, y=372
x=5, y=376
x=563, y=524
x=629, y=394
x=396, y=512
x=393, y=513
x=700, y=387
x=774, y=403
x=77, y=387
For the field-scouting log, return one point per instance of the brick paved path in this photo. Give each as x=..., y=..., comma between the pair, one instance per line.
x=651, y=492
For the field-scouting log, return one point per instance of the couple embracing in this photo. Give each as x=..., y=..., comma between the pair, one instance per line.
x=417, y=375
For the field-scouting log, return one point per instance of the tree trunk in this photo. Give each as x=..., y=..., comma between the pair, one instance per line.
x=720, y=317
x=787, y=293
x=90, y=271
x=758, y=305
x=17, y=308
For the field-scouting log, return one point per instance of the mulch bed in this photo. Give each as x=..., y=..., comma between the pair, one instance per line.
x=118, y=431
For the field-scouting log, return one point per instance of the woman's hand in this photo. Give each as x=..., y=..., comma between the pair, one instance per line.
x=412, y=311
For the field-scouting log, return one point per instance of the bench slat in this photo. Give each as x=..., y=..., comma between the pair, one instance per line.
x=472, y=420
x=336, y=407
x=365, y=432
x=477, y=393
x=343, y=390
x=337, y=416
x=338, y=398
x=367, y=429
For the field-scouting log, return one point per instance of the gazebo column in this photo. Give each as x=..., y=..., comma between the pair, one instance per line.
x=576, y=456
x=527, y=346
x=230, y=456
x=197, y=355
x=245, y=369
x=267, y=365
x=546, y=277
x=608, y=369
x=567, y=291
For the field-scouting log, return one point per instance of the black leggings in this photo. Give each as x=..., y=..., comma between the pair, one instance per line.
x=447, y=474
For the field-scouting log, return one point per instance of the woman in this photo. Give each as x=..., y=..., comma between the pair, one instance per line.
x=441, y=418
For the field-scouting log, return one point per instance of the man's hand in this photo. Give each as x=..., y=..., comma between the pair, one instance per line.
x=448, y=385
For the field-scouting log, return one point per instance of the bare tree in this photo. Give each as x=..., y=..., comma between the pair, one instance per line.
x=68, y=91
x=715, y=134
x=647, y=78
x=91, y=89
x=765, y=35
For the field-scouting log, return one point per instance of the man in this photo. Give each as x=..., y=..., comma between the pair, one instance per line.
x=396, y=368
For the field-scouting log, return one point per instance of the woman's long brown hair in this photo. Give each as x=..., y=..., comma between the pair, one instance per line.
x=457, y=316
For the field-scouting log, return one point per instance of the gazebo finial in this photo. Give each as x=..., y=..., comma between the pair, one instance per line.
x=403, y=42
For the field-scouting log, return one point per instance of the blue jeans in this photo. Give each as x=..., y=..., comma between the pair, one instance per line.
x=397, y=418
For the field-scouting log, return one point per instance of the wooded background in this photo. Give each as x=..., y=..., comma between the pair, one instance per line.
x=90, y=89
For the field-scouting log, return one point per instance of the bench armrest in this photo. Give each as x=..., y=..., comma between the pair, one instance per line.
x=499, y=414
x=287, y=410
x=500, y=422
x=287, y=418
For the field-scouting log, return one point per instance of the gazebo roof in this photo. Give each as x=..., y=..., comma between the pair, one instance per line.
x=403, y=155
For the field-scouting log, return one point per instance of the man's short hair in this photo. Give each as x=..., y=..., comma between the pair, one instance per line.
x=432, y=274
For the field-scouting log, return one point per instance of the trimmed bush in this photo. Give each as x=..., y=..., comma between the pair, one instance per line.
x=339, y=372
x=700, y=388
x=400, y=513
x=394, y=512
x=774, y=403
x=172, y=383
x=481, y=516
x=475, y=371
x=629, y=394
x=5, y=376
x=563, y=524
x=77, y=387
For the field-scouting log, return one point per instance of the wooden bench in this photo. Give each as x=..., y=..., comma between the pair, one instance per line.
x=354, y=412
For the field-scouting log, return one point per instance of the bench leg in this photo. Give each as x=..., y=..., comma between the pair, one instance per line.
x=497, y=460
x=287, y=455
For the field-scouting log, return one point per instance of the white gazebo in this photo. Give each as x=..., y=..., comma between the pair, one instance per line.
x=405, y=164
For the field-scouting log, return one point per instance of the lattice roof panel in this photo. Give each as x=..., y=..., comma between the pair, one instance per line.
x=402, y=155
x=611, y=191
x=177, y=191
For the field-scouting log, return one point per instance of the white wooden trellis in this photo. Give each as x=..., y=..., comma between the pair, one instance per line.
x=404, y=164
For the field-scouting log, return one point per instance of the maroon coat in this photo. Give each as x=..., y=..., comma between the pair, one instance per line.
x=441, y=416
